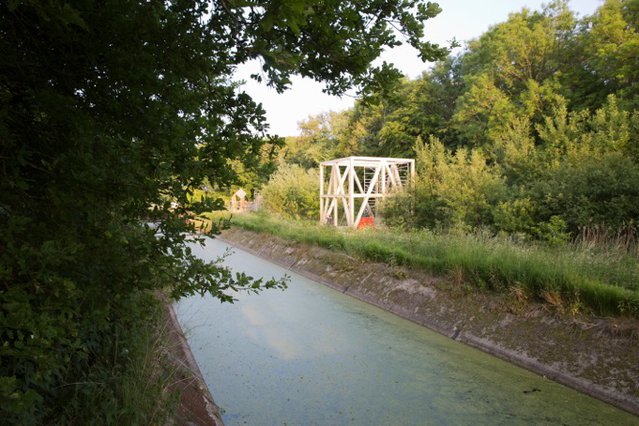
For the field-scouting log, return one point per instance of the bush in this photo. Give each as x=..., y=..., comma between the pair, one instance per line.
x=293, y=192
x=457, y=190
x=591, y=190
x=117, y=367
x=515, y=216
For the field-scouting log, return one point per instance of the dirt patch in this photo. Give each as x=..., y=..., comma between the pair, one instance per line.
x=598, y=356
x=196, y=407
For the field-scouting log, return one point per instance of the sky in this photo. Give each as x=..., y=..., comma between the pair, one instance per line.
x=460, y=19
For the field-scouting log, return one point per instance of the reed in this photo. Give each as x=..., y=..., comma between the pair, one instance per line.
x=623, y=239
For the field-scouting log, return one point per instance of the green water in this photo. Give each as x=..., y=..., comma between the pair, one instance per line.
x=313, y=356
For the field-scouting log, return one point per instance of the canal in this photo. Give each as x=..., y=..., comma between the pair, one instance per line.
x=310, y=355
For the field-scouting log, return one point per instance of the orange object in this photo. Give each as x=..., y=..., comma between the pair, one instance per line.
x=364, y=222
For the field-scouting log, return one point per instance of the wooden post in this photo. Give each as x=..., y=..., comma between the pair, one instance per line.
x=339, y=190
x=351, y=195
x=321, y=193
x=383, y=166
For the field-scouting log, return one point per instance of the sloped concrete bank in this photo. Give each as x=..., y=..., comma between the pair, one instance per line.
x=197, y=407
x=597, y=356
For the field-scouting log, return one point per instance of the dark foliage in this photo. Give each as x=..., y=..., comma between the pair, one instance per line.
x=111, y=114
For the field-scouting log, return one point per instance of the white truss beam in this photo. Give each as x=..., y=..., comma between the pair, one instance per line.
x=354, y=183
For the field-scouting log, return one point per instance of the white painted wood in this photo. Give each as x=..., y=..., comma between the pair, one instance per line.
x=351, y=191
x=321, y=192
x=383, y=167
x=388, y=175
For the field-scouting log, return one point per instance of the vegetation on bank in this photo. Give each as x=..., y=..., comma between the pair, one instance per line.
x=122, y=375
x=293, y=191
x=532, y=130
x=527, y=156
x=113, y=114
x=132, y=373
x=575, y=278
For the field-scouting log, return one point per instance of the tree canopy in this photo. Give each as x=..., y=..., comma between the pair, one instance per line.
x=518, y=133
x=112, y=112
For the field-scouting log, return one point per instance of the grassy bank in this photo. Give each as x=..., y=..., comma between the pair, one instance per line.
x=130, y=380
x=572, y=278
x=125, y=378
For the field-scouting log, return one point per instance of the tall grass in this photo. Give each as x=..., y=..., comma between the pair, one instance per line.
x=624, y=239
x=128, y=381
x=604, y=283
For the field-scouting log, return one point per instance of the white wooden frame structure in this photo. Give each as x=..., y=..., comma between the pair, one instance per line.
x=355, y=183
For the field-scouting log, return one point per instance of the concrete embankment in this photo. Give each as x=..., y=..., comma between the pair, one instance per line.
x=196, y=407
x=597, y=356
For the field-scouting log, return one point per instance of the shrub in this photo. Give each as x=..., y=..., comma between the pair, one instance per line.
x=515, y=216
x=455, y=190
x=591, y=190
x=293, y=192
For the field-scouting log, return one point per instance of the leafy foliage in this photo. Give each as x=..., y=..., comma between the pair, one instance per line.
x=292, y=192
x=112, y=115
x=317, y=142
x=531, y=131
x=453, y=190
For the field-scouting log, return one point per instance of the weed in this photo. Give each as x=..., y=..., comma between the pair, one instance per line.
x=553, y=298
x=518, y=293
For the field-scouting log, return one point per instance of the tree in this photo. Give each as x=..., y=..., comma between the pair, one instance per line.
x=432, y=103
x=483, y=111
x=513, y=70
x=110, y=111
x=607, y=47
x=528, y=46
x=416, y=108
x=319, y=139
